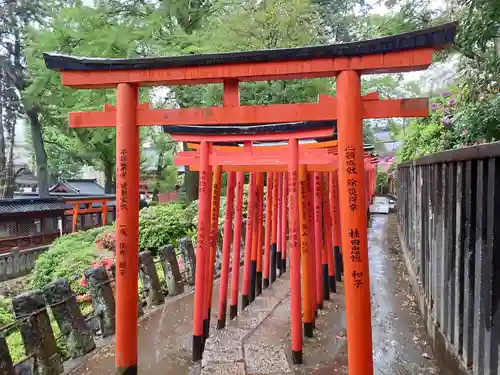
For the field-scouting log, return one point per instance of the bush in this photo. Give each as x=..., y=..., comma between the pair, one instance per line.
x=68, y=257
x=161, y=225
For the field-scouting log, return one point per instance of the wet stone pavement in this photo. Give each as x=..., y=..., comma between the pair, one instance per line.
x=259, y=343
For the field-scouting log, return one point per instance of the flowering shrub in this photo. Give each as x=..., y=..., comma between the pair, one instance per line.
x=106, y=241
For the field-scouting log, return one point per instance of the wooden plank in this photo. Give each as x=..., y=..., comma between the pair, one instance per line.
x=248, y=115
x=391, y=62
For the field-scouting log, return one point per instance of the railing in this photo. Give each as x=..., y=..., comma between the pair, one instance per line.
x=53, y=327
x=449, y=222
x=18, y=263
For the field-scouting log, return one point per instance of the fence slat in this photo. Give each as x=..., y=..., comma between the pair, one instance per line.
x=479, y=298
x=459, y=257
x=469, y=260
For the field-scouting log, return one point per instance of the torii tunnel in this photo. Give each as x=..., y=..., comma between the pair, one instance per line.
x=317, y=193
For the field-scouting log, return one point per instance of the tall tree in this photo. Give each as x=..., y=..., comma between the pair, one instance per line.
x=86, y=31
x=15, y=18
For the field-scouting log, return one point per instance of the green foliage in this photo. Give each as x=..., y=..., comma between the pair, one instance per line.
x=161, y=225
x=68, y=257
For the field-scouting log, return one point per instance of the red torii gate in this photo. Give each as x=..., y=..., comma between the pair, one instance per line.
x=399, y=53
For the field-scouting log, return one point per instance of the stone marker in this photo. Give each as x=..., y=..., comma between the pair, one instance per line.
x=189, y=259
x=6, y=365
x=150, y=279
x=78, y=335
x=103, y=300
x=173, y=277
x=36, y=332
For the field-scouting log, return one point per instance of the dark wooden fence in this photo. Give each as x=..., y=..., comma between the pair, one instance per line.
x=449, y=223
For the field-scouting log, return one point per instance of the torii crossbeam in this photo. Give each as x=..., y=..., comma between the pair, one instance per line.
x=398, y=53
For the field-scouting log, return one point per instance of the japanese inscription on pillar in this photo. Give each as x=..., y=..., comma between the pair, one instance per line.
x=354, y=240
x=356, y=277
x=294, y=236
x=201, y=224
x=122, y=206
x=305, y=217
x=352, y=181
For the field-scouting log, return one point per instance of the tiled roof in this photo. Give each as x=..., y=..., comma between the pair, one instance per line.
x=15, y=206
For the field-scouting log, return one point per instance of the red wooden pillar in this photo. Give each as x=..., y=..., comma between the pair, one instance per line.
x=245, y=297
x=353, y=216
x=337, y=266
x=318, y=238
x=226, y=247
x=312, y=241
x=327, y=233
x=260, y=215
x=235, y=275
x=295, y=300
x=304, y=247
x=284, y=209
x=127, y=228
x=202, y=250
x=329, y=284
x=280, y=224
x=104, y=213
x=255, y=233
x=214, y=231
x=268, y=233
x=274, y=224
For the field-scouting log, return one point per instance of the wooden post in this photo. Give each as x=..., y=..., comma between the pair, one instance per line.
x=353, y=216
x=214, y=233
x=235, y=276
x=318, y=238
x=327, y=232
x=304, y=250
x=284, y=209
x=259, y=216
x=335, y=264
x=245, y=297
x=274, y=238
x=295, y=300
x=127, y=228
x=226, y=247
x=202, y=251
x=267, y=237
x=312, y=241
x=279, y=225
x=255, y=235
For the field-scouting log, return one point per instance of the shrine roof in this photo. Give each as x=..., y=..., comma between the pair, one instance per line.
x=433, y=37
x=251, y=129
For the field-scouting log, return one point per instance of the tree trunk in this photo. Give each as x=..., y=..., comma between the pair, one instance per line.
x=109, y=169
x=40, y=154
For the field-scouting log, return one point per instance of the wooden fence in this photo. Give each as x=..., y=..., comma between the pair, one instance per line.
x=449, y=223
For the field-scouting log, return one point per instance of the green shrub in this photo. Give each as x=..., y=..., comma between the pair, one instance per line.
x=68, y=257
x=161, y=225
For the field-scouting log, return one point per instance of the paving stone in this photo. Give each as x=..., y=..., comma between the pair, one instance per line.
x=266, y=359
x=237, y=368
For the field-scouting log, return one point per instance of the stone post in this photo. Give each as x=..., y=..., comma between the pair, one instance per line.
x=173, y=277
x=189, y=259
x=103, y=300
x=6, y=365
x=79, y=337
x=36, y=332
x=150, y=279
x=14, y=252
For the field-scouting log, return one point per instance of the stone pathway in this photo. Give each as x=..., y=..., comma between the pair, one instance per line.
x=257, y=342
